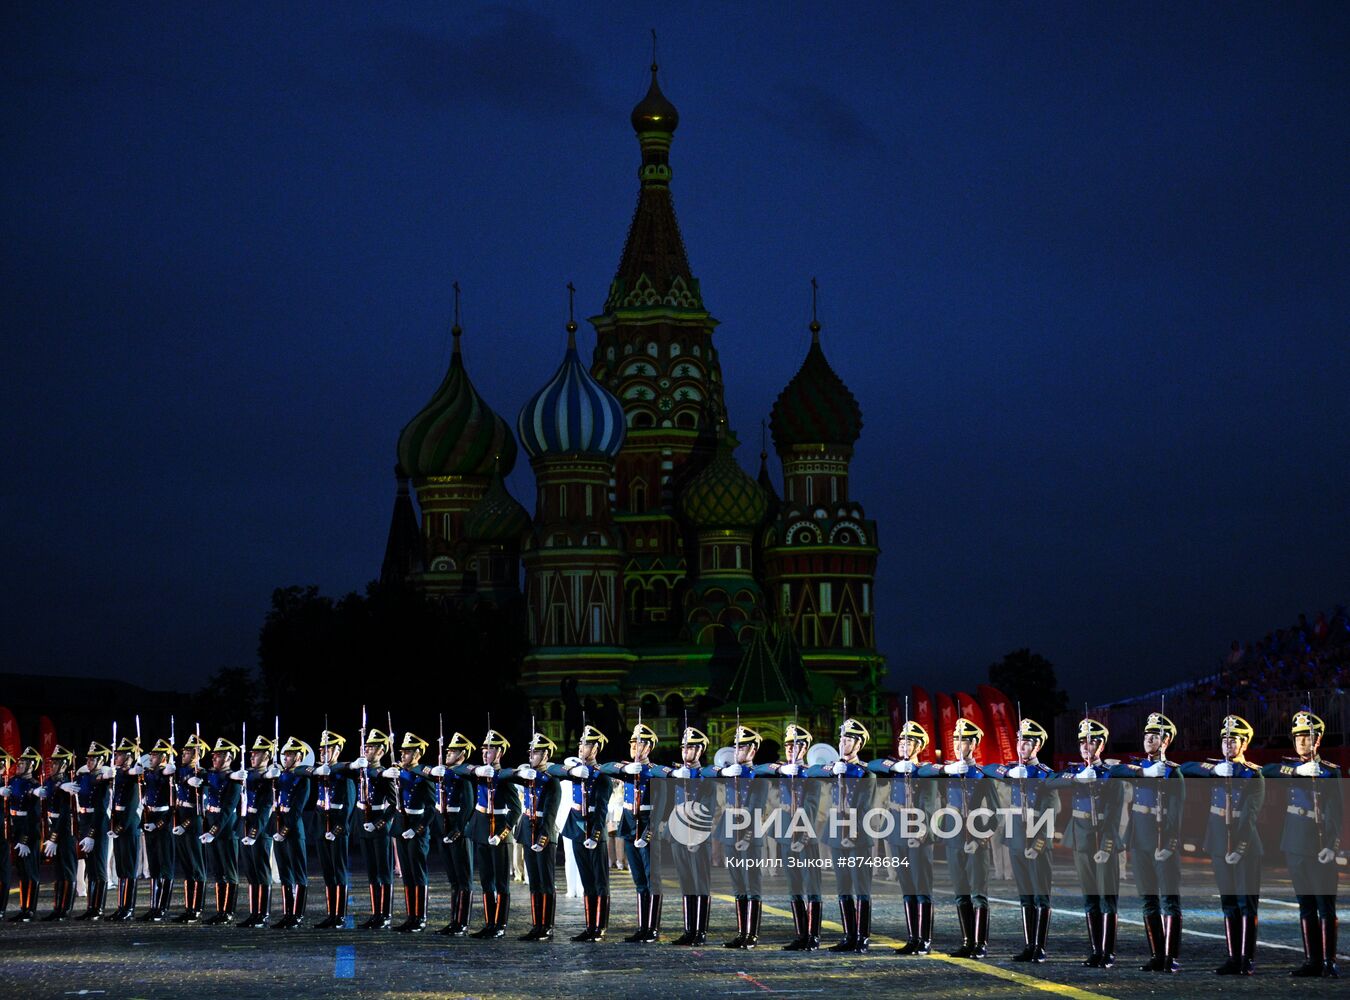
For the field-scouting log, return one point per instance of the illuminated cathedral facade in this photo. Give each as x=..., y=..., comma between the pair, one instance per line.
x=654, y=571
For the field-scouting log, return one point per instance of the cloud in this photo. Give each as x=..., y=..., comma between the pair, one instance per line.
x=810, y=112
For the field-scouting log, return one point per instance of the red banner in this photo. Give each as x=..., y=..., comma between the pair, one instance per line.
x=46, y=737
x=946, y=719
x=9, y=733
x=1002, y=718
x=970, y=709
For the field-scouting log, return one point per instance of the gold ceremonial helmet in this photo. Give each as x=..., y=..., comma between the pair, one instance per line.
x=589, y=734
x=296, y=745
x=1236, y=725
x=163, y=746
x=967, y=730
x=795, y=733
x=63, y=753
x=541, y=742
x=644, y=732
x=496, y=739
x=375, y=738
x=1030, y=729
x=129, y=745
x=195, y=742
x=911, y=730
x=225, y=746
x=1159, y=723
x=1091, y=729
x=331, y=739
x=411, y=741
x=265, y=744
x=745, y=736
x=854, y=728
x=458, y=741
x=1306, y=722
x=693, y=738
x=96, y=749
x=32, y=755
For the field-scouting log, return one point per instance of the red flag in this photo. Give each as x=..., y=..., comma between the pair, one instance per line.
x=946, y=719
x=9, y=733
x=46, y=737
x=970, y=709
x=1002, y=719
x=921, y=711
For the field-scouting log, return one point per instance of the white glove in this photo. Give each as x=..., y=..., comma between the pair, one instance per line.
x=1162, y=854
x=640, y=843
x=143, y=761
x=40, y=792
x=680, y=772
x=1233, y=857
x=207, y=838
x=87, y=844
x=971, y=846
x=330, y=835
x=178, y=831
x=1020, y=771
x=956, y=767
x=1224, y=769
x=846, y=843
x=1086, y=776
x=571, y=761
x=914, y=842
x=70, y=787
x=437, y=772
x=360, y=763
x=484, y=771
x=1156, y=770
x=169, y=768
x=903, y=767
x=107, y=773
x=148, y=827
x=1031, y=854
x=444, y=840
x=323, y=769
x=589, y=844
x=278, y=837
x=580, y=771
x=195, y=782
x=23, y=849
x=1102, y=857
x=494, y=840
x=788, y=769
x=248, y=841
x=112, y=834
x=742, y=845
x=796, y=847
x=839, y=767
x=239, y=775
x=1325, y=856
x=391, y=772
x=5, y=792
x=537, y=848
x=136, y=769
x=633, y=768
x=368, y=827
x=1308, y=769
x=526, y=773
x=48, y=849
x=408, y=834
x=83, y=769
x=272, y=772
x=732, y=770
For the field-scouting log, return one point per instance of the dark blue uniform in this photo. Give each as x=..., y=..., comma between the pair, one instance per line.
x=455, y=798
x=288, y=822
x=220, y=822
x=1033, y=799
x=62, y=832
x=189, y=860
x=92, y=809
x=1154, y=825
x=851, y=795
x=586, y=818
x=635, y=824
x=255, y=843
x=689, y=810
x=415, y=815
x=376, y=797
x=538, y=827
x=157, y=826
x=23, y=812
x=125, y=829
x=1093, y=828
x=496, y=812
x=334, y=803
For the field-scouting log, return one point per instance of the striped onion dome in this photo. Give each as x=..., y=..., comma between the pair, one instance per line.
x=573, y=414
x=497, y=516
x=456, y=433
x=723, y=495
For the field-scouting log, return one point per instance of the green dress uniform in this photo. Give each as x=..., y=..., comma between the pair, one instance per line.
x=1237, y=792
x=688, y=812
x=585, y=827
x=496, y=812
x=1310, y=841
x=455, y=799
x=125, y=830
x=537, y=832
x=62, y=833
x=189, y=858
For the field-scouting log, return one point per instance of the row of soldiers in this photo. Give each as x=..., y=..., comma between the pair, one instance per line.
x=203, y=812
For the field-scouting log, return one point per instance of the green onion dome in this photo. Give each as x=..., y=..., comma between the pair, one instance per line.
x=723, y=495
x=497, y=516
x=456, y=433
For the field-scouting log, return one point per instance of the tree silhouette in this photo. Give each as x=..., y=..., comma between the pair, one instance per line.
x=1029, y=679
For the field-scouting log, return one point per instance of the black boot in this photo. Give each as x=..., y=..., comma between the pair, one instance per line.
x=264, y=904
x=386, y=908
x=330, y=906
x=591, y=906
x=219, y=916
x=1171, y=944
x=911, y=945
x=503, y=915
x=864, y=923
x=342, y=891
x=489, y=911
x=58, y=897
x=1095, y=924
x=602, y=924
x=848, y=916
x=535, y=918
x=742, y=914
x=1042, y=932
x=703, y=912
x=149, y=914
x=419, y=925
x=1329, y=928
x=193, y=891
x=813, y=908
x=550, y=904
x=641, y=933
x=283, y=922
x=1312, y=948
x=1232, y=932
x=455, y=927
x=981, y=946
x=754, y=908
x=654, y=918
x=965, y=914
x=1153, y=930
x=1108, y=941
x=799, y=919
x=689, y=909
x=1248, y=945
x=1028, y=934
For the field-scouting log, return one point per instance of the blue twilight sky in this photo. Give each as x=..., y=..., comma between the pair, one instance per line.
x=1083, y=265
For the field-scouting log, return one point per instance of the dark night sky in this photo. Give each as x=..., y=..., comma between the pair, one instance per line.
x=1084, y=267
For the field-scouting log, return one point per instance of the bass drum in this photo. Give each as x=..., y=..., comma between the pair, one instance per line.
x=821, y=755
x=724, y=757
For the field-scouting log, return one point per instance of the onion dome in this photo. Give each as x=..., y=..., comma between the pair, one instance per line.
x=497, y=516
x=456, y=434
x=815, y=407
x=723, y=495
x=573, y=414
x=654, y=113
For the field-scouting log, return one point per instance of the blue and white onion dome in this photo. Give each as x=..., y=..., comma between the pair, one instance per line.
x=572, y=414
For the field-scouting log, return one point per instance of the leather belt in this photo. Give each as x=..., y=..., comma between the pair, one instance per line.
x=18, y=812
x=283, y=809
x=450, y=809
x=1300, y=811
x=495, y=812
x=158, y=809
x=533, y=815
x=381, y=807
x=1221, y=811
x=1087, y=814
x=120, y=809
x=413, y=812
x=1150, y=810
x=645, y=807
x=87, y=809
x=213, y=809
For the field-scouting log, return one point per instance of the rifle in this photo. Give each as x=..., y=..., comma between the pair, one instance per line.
x=1228, y=792
x=364, y=787
x=1312, y=787
x=243, y=766
x=197, y=769
x=326, y=783
x=440, y=762
x=1162, y=710
x=272, y=785
x=533, y=800
x=492, y=793
x=637, y=794
x=1092, y=794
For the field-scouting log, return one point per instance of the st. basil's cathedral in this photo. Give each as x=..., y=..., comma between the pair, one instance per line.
x=659, y=576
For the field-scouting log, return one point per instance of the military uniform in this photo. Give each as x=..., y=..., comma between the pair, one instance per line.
x=94, y=783
x=746, y=793
x=190, y=862
x=376, y=796
x=496, y=812
x=585, y=827
x=798, y=799
x=220, y=831
x=688, y=812
x=62, y=832
x=334, y=802
x=635, y=830
x=291, y=788
x=965, y=789
x=904, y=792
x=455, y=800
x=1310, y=839
x=157, y=804
x=125, y=827
x=1237, y=792
x=23, y=817
x=6, y=870
x=852, y=791
x=258, y=800
x=1032, y=798
x=412, y=833
x=1152, y=837
x=1093, y=835
x=537, y=831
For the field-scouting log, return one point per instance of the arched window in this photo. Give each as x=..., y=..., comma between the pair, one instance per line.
x=653, y=349
x=674, y=350
x=637, y=497
x=674, y=706
x=445, y=526
x=651, y=706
